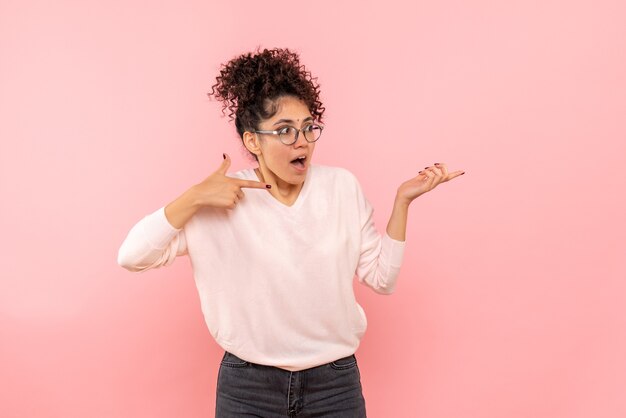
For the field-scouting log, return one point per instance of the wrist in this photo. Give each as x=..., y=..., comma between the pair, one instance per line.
x=193, y=198
x=401, y=202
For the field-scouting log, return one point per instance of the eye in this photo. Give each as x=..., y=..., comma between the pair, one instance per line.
x=284, y=130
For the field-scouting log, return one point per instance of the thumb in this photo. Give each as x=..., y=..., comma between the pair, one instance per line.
x=225, y=164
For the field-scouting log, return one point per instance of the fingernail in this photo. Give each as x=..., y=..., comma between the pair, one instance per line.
x=224, y=155
x=421, y=172
x=463, y=173
x=269, y=186
x=436, y=163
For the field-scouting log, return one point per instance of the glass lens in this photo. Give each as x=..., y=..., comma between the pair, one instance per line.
x=288, y=135
x=312, y=132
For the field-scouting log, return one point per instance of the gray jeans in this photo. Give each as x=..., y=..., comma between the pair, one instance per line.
x=247, y=389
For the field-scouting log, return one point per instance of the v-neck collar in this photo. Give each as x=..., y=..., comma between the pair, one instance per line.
x=301, y=196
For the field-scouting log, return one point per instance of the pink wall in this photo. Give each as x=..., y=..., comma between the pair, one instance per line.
x=511, y=299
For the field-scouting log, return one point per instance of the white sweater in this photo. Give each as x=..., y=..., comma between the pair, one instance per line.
x=275, y=281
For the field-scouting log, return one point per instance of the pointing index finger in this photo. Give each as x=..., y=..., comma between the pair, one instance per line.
x=252, y=184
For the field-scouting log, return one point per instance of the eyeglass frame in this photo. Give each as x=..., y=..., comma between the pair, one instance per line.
x=297, y=133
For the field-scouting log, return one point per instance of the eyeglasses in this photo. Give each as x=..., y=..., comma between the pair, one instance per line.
x=289, y=134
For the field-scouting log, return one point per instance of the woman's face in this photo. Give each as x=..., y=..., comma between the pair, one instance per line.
x=277, y=157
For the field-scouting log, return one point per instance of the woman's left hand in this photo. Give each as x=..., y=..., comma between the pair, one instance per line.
x=424, y=182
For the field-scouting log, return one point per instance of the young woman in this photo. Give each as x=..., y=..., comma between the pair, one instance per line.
x=274, y=266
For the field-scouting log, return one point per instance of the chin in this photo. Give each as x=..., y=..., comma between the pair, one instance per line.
x=288, y=175
x=295, y=180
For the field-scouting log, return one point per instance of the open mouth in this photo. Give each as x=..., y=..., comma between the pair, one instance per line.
x=299, y=162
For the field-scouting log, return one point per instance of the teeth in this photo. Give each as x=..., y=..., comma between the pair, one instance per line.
x=299, y=159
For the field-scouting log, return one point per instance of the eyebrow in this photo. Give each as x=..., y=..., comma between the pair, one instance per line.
x=289, y=120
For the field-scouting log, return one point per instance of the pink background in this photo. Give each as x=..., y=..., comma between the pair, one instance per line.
x=511, y=301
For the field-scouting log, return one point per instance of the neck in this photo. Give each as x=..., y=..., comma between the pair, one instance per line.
x=280, y=188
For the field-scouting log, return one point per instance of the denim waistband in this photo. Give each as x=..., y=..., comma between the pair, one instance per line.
x=231, y=360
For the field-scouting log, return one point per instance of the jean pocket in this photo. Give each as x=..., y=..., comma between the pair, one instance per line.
x=231, y=360
x=344, y=363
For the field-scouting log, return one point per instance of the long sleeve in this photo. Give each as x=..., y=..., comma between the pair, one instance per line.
x=381, y=256
x=151, y=243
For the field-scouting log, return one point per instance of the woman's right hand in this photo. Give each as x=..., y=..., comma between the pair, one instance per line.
x=220, y=191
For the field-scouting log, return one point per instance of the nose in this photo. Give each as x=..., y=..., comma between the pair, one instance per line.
x=301, y=140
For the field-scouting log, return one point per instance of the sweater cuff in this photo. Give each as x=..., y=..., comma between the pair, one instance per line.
x=393, y=249
x=158, y=230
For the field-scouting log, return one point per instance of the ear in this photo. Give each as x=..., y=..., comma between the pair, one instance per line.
x=252, y=143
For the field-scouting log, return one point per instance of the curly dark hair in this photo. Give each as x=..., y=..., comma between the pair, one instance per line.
x=248, y=85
